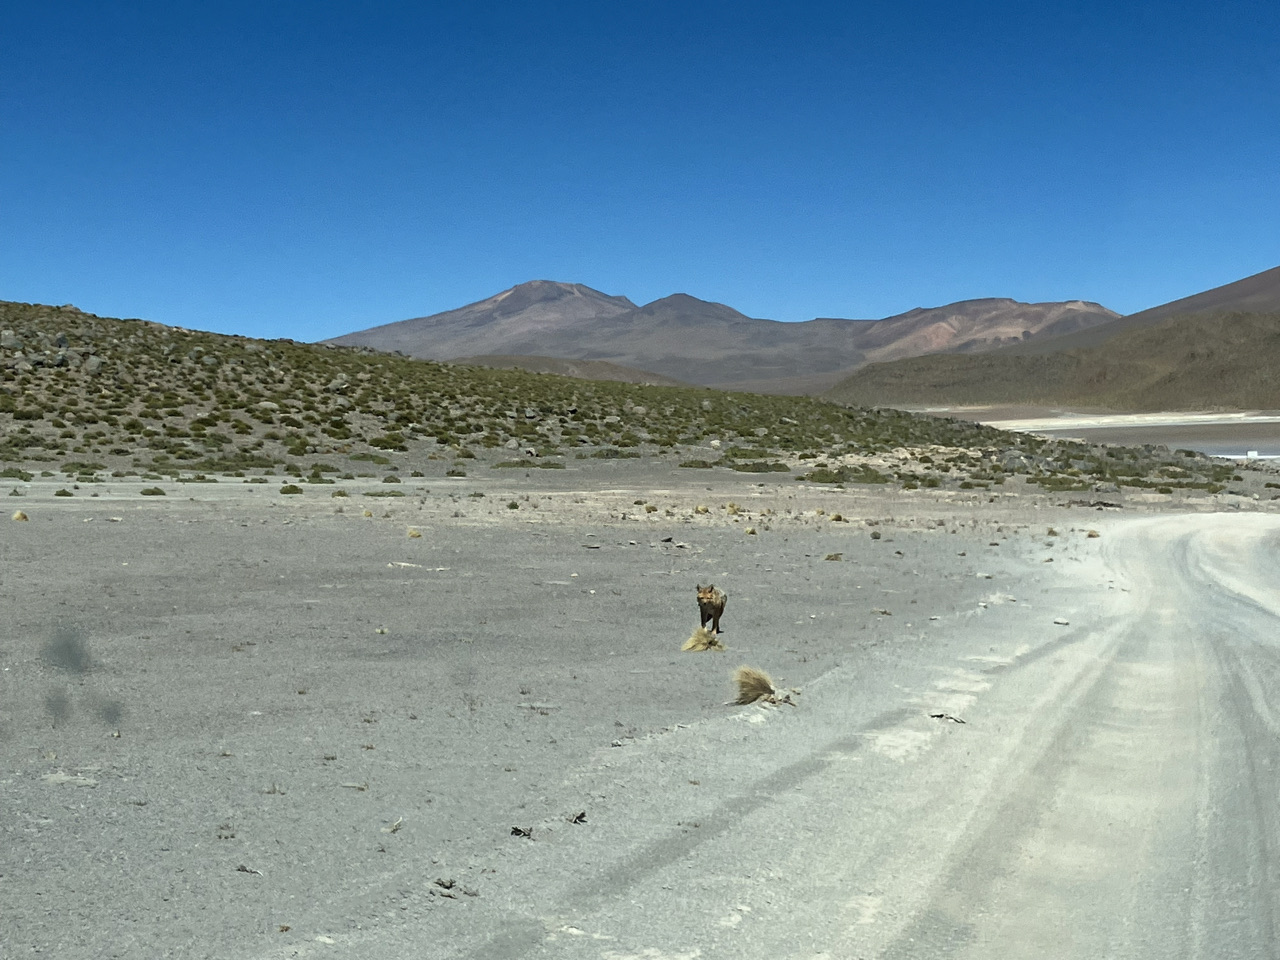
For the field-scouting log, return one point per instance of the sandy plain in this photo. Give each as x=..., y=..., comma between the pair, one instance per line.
x=240, y=724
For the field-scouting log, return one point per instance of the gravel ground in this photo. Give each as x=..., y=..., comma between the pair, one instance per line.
x=240, y=724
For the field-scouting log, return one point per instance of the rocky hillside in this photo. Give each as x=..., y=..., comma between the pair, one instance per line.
x=90, y=394
x=1223, y=362
x=1214, y=350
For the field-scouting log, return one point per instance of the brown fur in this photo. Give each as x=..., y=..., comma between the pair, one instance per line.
x=711, y=605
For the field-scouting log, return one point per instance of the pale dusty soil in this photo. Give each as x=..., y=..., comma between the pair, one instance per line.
x=239, y=724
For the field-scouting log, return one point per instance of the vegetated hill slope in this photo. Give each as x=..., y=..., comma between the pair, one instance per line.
x=696, y=341
x=1183, y=363
x=580, y=369
x=74, y=385
x=95, y=394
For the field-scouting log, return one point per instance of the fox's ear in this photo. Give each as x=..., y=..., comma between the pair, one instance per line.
x=711, y=586
x=699, y=588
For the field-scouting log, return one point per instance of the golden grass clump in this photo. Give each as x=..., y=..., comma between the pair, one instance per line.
x=19, y=515
x=702, y=639
x=415, y=533
x=752, y=684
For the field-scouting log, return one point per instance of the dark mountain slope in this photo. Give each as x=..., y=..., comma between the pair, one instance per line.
x=1184, y=363
x=1259, y=293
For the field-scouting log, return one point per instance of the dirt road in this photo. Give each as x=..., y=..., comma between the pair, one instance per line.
x=1112, y=792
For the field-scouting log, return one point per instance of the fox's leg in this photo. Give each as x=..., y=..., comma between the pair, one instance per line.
x=715, y=621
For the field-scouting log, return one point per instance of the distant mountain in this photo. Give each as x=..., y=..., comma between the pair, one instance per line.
x=517, y=321
x=975, y=326
x=697, y=341
x=1215, y=349
x=1259, y=293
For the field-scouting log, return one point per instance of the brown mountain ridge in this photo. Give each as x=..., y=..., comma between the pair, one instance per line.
x=711, y=344
x=1216, y=349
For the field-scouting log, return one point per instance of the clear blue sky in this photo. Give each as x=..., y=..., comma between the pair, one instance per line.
x=312, y=168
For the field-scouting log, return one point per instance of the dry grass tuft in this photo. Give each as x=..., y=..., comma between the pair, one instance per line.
x=19, y=515
x=702, y=639
x=415, y=533
x=752, y=684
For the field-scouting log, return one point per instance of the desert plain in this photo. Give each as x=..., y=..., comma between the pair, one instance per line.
x=458, y=723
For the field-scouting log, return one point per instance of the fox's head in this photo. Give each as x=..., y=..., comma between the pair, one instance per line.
x=706, y=593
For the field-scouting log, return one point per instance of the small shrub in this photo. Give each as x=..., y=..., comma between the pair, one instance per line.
x=63, y=493
x=290, y=489
x=760, y=466
x=151, y=492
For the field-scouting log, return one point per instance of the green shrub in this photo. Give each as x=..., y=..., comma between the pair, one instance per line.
x=290, y=488
x=63, y=493
x=81, y=466
x=858, y=474
x=759, y=466
x=151, y=492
